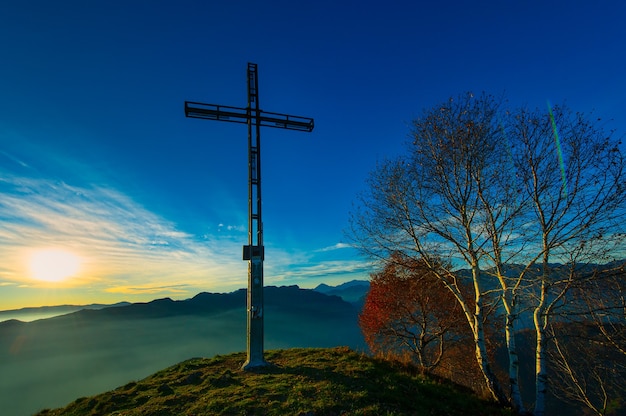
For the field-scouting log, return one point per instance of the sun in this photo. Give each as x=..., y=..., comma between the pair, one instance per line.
x=53, y=264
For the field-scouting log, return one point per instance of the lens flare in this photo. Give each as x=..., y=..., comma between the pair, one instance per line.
x=559, y=151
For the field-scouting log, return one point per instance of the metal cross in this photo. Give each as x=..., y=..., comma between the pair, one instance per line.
x=254, y=251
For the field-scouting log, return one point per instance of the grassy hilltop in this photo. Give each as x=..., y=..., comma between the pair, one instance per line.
x=334, y=381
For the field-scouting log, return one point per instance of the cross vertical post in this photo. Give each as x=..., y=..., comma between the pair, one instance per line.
x=254, y=251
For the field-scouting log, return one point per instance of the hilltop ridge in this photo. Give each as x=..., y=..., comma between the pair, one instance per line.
x=302, y=381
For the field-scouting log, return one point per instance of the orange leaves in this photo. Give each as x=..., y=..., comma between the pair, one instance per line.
x=409, y=310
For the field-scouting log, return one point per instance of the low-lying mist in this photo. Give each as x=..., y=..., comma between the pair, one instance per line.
x=49, y=363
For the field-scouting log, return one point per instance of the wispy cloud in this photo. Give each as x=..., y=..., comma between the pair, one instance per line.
x=321, y=265
x=129, y=249
x=148, y=289
x=324, y=269
x=334, y=247
x=223, y=227
x=14, y=159
x=126, y=248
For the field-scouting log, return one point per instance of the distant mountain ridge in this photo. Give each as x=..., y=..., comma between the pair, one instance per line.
x=43, y=312
x=49, y=362
x=206, y=303
x=353, y=291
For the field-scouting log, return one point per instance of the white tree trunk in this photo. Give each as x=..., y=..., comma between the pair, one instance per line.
x=475, y=321
x=481, y=347
x=516, y=395
x=541, y=375
x=483, y=362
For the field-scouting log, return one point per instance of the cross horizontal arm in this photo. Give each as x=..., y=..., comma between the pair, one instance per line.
x=242, y=115
x=216, y=112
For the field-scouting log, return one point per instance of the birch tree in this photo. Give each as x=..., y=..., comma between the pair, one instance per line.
x=572, y=172
x=426, y=205
x=506, y=195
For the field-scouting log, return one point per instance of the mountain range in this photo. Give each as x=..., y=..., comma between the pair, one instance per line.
x=50, y=362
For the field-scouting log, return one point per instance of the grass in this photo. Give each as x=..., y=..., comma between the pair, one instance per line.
x=305, y=382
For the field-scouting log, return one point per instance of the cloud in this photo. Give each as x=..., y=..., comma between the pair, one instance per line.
x=337, y=246
x=238, y=228
x=14, y=159
x=147, y=289
x=307, y=268
x=120, y=241
x=327, y=268
x=127, y=249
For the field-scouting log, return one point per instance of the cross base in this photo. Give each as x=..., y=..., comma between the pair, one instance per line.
x=254, y=364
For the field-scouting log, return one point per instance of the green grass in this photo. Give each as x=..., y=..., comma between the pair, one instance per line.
x=309, y=382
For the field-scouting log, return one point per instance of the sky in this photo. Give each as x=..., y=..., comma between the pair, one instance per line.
x=126, y=199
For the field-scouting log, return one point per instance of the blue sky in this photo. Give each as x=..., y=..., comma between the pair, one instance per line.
x=98, y=159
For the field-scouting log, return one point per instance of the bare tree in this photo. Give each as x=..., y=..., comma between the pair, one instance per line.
x=505, y=194
x=572, y=173
x=427, y=206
